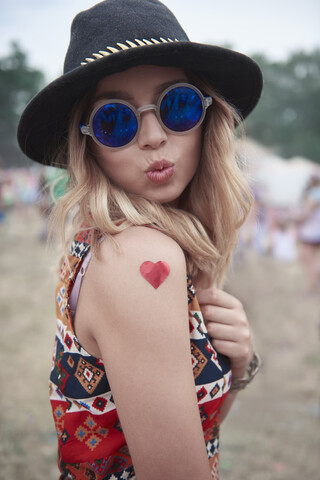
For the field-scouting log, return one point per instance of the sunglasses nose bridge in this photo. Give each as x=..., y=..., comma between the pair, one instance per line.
x=145, y=108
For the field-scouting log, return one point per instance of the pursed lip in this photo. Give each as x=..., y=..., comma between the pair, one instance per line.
x=159, y=165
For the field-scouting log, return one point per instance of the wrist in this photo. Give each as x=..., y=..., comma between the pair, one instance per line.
x=238, y=372
x=238, y=368
x=241, y=378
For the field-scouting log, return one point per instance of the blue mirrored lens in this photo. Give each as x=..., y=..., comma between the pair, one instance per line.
x=115, y=124
x=181, y=109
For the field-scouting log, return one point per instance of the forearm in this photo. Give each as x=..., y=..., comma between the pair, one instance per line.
x=240, y=379
x=227, y=405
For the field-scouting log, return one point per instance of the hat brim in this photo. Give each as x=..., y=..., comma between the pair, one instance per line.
x=44, y=122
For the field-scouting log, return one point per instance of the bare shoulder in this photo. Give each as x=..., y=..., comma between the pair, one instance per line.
x=141, y=269
x=131, y=281
x=136, y=284
x=126, y=257
x=139, y=241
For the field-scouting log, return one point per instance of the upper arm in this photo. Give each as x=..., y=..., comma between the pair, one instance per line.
x=143, y=337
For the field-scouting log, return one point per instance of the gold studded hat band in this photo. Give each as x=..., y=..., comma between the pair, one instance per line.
x=115, y=35
x=126, y=46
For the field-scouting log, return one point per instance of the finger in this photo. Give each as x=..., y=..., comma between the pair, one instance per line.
x=237, y=353
x=219, y=315
x=218, y=331
x=214, y=296
x=241, y=336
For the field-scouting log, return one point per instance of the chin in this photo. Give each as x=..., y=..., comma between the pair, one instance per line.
x=170, y=200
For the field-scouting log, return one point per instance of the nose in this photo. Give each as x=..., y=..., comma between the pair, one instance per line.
x=151, y=134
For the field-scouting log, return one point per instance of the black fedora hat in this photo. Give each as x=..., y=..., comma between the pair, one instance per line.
x=115, y=35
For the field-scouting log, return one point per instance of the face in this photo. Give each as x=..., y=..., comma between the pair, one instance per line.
x=158, y=165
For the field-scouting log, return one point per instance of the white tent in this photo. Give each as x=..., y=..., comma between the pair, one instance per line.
x=279, y=182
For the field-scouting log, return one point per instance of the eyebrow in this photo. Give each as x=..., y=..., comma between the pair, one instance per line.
x=114, y=94
x=122, y=94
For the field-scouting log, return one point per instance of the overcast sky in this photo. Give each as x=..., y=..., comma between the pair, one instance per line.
x=273, y=27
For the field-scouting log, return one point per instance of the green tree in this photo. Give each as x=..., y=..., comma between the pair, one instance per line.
x=288, y=115
x=18, y=83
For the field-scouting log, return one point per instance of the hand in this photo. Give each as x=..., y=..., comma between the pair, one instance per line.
x=228, y=328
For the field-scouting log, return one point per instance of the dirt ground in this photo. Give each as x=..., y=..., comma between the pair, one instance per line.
x=273, y=431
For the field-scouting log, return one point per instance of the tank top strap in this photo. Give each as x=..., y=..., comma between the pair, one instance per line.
x=77, y=284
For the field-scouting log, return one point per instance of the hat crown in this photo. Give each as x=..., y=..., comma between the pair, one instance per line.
x=106, y=24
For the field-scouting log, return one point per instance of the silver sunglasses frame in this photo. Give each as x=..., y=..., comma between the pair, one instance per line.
x=88, y=130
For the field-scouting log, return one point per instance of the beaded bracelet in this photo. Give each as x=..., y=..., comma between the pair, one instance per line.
x=252, y=370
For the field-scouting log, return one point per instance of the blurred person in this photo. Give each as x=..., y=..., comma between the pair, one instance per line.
x=2, y=214
x=150, y=352
x=9, y=196
x=309, y=233
x=45, y=203
x=283, y=238
x=51, y=186
x=261, y=223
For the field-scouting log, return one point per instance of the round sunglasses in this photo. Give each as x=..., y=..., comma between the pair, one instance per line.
x=116, y=123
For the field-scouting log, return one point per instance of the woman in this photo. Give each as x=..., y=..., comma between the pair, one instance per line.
x=144, y=121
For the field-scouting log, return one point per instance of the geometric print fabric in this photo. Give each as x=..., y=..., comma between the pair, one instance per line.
x=88, y=375
x=91, y=444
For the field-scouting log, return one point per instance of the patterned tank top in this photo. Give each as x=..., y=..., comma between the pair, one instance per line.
x=91, y=444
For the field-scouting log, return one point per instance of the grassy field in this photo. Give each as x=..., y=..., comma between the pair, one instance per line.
x=273, y=430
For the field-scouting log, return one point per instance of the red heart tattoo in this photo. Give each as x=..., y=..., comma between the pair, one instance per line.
x=155, y=273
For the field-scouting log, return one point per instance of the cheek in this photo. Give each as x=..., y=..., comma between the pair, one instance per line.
x=108, y=160
x=119, y=168
x=199, y=142
x=193, y=149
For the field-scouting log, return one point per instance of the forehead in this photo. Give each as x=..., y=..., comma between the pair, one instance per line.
x=136, y=80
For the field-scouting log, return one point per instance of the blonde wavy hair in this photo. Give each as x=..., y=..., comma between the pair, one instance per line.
x=211, y=209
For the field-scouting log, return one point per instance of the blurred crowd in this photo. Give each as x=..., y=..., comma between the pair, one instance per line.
x=22, y=189
x=17, y=187
x=287, y=233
